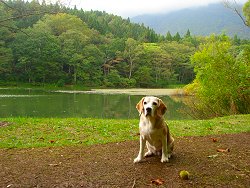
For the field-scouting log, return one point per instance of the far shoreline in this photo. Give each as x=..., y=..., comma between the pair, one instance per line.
x=134, y=91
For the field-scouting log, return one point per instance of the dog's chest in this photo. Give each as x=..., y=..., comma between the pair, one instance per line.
x=148, y=130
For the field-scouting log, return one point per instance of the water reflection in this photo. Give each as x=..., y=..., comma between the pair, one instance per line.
x=37, y=103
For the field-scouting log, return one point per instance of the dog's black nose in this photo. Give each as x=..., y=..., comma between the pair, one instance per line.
x=148, y=109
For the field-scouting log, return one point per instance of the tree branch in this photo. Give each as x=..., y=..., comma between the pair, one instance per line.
x=6, y=4
x=22, y=15
x=26, y=15
x=15, y=29
x=235, y=8
x=241, y=17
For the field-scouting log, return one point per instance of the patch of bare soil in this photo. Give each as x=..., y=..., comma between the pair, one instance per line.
x=111, y=165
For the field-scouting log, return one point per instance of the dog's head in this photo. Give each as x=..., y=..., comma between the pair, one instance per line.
x=151, y=106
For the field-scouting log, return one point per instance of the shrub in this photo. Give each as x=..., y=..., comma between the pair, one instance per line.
x=222, y=79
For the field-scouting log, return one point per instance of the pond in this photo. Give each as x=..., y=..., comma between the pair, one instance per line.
x=42, y=103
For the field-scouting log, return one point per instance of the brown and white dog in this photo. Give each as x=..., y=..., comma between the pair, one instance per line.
x=154, y=132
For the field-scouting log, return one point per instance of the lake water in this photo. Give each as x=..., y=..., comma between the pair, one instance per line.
x=41, y=103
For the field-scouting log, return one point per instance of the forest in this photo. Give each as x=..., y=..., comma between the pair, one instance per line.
x=51, y=44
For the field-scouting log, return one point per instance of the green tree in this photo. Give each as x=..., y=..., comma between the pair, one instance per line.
x=246, y=12
x=74, y=36
x=169, y=36
x=160, y=63
x=113, y=79
x=93, y=59
x=131, y=53
x=62, y=22
x=180, y=60
x=143, y=76
x=188, y=34
x=72, y=42
x=177, y=37
x=6, y=59
x=223, y=81
x=6, y=56
x=36, y=55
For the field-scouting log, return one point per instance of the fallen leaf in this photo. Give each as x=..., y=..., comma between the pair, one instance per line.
x=4, y=123
x=223, y=150
x=55, y=164
x=212, y=156
x=214, y=139
x=157, y=182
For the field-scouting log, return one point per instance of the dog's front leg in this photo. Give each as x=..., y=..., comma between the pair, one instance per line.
x=164, y=157
x=141, y=151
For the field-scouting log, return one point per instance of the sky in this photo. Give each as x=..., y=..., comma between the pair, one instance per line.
x=131, y=8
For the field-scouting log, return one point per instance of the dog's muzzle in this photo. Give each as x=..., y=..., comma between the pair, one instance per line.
x=148, y=111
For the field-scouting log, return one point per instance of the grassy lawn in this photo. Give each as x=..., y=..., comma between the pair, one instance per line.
x=47, y=132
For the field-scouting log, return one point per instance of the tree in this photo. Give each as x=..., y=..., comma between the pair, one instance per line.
x=143, y=76
x=6, y=56
x=246, y=12
x=62, y=22
x=72, y=43
x=180, y=60
x=177, y=37
x=169, y=36
x=223, y=81
x=131, y=54
x=74, y=35
x=160, y=63
x=237, y=10
x=188, y=34
x=6, y=59
x=36, y=55
x=93, y=59
x=113, y=79
x=25, y=14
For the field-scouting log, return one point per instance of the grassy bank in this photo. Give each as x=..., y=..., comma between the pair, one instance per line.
x=46, y=86
x=47, y=132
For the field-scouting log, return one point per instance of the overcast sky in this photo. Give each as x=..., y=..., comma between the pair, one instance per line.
x=130, y=8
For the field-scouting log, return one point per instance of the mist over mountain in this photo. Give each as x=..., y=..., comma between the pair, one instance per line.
x=214, y=18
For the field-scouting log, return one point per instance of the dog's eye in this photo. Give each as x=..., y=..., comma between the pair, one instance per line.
x=154, y=103
x=145, y=103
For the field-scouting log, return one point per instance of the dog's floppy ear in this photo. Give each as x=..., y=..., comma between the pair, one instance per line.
x=139, y=106
x=161, y=110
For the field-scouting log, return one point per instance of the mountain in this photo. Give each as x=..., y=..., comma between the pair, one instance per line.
x=214, y=18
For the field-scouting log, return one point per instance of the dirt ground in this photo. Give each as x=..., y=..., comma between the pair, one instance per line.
x=111, y=165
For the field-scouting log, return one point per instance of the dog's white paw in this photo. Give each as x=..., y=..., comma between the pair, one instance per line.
x=137, y=159
x=164, y=159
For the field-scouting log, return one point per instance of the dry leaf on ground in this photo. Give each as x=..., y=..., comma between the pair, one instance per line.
x=157, y=181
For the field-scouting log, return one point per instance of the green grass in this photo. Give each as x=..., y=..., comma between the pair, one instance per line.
x=48, y=132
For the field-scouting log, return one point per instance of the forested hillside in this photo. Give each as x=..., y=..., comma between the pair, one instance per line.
x=41, y=43
x=214, y=18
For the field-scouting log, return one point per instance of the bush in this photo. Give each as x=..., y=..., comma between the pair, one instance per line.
x=222, y=80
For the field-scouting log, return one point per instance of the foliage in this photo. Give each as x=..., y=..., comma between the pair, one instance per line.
x=52, y=44
x=246, y=11
x=47, y=132
x=223, y=79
